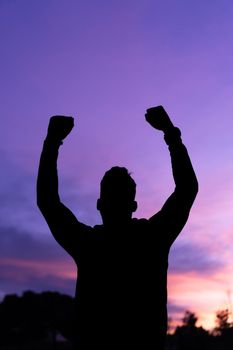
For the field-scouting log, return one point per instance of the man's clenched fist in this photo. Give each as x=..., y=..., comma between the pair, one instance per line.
x=59, y=127
x=158, y=118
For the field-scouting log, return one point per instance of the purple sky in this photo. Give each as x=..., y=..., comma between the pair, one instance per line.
x=105, y=63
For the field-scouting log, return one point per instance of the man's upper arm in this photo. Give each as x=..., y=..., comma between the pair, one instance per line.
x=66, y=229
x=171, y=219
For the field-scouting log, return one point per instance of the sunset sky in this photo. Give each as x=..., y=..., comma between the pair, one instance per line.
x=105, y=62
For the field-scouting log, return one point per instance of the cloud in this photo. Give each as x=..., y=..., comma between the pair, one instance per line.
x=18, y=197
x=30, y=258
x=174, y=308
x=191, y=257
x=176, y=311
x=30, y=263
x=15, y=279
x=18, y=244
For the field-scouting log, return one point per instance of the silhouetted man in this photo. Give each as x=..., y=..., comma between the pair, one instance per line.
x=121, y=292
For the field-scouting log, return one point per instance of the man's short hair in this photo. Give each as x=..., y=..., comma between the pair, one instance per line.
x=117, y=180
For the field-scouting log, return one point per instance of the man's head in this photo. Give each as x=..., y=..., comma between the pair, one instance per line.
x=117, y=193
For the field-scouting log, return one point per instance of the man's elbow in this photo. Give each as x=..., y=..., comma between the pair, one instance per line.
x=41, y=204
x=188, y=189
x=193, y=188
x=46, y=203
x=196, y=185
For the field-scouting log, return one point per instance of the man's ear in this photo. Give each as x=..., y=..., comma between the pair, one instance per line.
x=134, y=206
x=98, y=204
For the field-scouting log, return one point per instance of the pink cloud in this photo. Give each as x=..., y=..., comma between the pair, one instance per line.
x=204, y=295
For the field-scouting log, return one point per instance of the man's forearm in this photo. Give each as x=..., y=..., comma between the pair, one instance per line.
x=183, y=173
x=47, y=181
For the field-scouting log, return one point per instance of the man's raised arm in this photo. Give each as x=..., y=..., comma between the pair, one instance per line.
x=61, y=221
x=175, y=211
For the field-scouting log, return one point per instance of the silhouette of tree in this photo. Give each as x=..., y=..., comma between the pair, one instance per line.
x=189, y=336
x=223, y=332
x=9, y=318
x=189, y=319
x=222, y=322
x=34, y=320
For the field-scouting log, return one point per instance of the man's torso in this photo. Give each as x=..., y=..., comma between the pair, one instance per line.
x=121, y=290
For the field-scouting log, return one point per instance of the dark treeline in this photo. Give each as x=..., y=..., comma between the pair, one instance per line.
x=189, y=336
x=36, y=321
x=44, y=321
